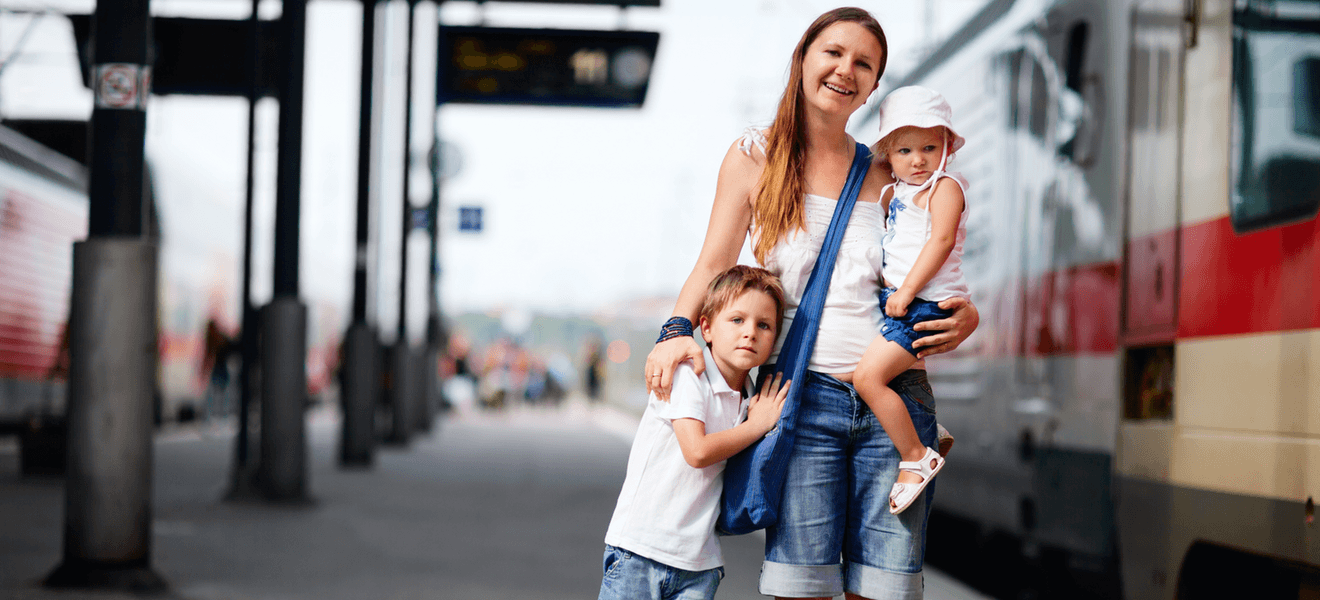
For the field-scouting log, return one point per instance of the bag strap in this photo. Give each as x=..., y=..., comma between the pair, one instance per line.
x=801, y=338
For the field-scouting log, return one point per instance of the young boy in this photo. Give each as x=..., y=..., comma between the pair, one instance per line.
x=661, y=541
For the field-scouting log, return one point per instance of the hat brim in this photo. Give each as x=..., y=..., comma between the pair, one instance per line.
x=923, y=121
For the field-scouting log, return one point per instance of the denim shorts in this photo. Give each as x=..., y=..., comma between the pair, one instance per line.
x=630, y=576
x=899, y=329
x=835, y=531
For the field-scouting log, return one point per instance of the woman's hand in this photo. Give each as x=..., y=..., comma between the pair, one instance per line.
x=664, y=358
x=952, y=331
x=764, y=408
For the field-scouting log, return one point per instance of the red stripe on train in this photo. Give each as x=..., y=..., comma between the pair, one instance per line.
x=1235, y=284
x=1228, y=284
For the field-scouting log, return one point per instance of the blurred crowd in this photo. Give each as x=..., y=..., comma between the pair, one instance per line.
x=507, y=373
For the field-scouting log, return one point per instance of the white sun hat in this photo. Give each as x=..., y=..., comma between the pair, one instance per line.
x=916, y=106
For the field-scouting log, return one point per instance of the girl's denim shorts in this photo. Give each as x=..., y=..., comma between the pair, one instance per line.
x=835, y=532
x=899, y=329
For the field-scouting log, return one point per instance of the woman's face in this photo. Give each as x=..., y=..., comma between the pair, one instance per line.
x=839, y=69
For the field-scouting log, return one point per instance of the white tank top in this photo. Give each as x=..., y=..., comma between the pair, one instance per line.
x=851, y=316
x=907, y=229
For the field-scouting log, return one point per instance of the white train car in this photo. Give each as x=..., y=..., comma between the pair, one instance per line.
x=1141, y=404
x=43, y=211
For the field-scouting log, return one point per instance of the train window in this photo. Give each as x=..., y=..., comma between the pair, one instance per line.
x=1073, y=78
x=1306, y=102
x=1028, y=94
x=1163, y=93
x=1076, y=55
x=1140, y=77
x=1275, y=166
x=1148, y=383
x=1014, y=67
x=1040, y=99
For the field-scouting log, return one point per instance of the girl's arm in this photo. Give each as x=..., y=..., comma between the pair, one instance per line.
x=730, y=217
x=701, y=450
x=945, y=206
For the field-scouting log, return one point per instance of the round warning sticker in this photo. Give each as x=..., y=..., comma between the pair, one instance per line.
x=119, y=85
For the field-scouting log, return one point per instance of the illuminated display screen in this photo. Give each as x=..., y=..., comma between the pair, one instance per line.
x=548, y=67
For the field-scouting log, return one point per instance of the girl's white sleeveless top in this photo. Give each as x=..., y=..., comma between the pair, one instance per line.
x=851, y=316
x=906, y=231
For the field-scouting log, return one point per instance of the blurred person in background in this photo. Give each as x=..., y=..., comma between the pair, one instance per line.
x=593, y=368
x=217, y=347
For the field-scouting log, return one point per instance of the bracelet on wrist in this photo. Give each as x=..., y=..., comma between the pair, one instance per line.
x=675, y=327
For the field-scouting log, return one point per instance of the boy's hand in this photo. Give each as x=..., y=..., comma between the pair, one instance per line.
x=898, y=302
x=764, y=408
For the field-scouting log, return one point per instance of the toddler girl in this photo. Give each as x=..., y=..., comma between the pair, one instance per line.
x=924, y=231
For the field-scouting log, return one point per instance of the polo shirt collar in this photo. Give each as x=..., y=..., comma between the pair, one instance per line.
x=716, y=379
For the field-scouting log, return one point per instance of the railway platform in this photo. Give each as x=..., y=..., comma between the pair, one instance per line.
x=490, y=506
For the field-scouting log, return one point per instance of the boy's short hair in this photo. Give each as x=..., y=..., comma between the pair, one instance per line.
x=738, y=280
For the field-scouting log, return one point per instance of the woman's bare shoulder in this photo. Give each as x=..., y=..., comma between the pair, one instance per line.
x=753, y=142
x=744, y=160
x=876, y=180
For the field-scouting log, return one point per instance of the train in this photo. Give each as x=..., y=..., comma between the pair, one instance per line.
x=1139, y=409
x=43, y=211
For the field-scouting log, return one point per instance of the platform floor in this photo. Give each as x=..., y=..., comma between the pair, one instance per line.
x=489, y=506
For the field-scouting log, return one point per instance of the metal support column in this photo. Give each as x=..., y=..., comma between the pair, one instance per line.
x=242, y=479
x=360, y=384
x=403, y=400
x=436, y=337
x=282, y=473
x=112, y=329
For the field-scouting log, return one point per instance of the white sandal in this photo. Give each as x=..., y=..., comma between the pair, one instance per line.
x=902, y=494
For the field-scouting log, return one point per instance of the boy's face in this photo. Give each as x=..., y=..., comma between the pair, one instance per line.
x=742, y=335
x=916, y=153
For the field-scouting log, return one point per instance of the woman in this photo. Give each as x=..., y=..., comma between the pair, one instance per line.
x=780, y=187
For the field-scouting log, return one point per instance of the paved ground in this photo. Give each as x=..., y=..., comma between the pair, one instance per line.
x=489, y=506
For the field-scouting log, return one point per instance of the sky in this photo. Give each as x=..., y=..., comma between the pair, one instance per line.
x=585, y=210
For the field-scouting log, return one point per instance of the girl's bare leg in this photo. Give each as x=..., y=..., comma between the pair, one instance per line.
x=882, y=362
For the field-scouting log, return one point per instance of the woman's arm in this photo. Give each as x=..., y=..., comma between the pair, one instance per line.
x=730, y=217
x=945, y=206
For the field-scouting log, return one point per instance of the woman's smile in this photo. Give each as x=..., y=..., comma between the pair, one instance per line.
x=839, y=89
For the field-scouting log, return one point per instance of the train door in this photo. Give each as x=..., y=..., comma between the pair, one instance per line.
x=1151, y=258
x=1064, y=506
x=1029, y=172
x=1151, y=261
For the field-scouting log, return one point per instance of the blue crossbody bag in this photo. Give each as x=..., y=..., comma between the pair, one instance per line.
x=754, y=478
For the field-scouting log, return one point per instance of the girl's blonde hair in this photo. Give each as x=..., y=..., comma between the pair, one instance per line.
x=777, y=207
x=880, y=150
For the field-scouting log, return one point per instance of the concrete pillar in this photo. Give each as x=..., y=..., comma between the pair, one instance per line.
x=427, y=382
x=400, y=391
x=107, y=524
x=357, y=440
x=282, y=474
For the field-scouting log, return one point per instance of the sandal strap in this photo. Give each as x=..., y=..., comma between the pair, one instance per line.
x=920, y=467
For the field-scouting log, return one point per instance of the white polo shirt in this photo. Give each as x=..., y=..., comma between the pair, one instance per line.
x=666, y=511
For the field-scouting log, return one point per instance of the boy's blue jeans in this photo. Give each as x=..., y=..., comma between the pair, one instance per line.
x=629, y=576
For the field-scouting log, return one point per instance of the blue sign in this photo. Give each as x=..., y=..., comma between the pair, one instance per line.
x=469, y=218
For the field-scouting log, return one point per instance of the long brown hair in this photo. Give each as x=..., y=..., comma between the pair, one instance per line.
x=777, y=208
